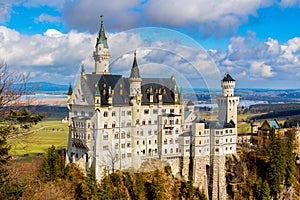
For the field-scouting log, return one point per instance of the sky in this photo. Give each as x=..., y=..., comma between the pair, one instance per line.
x=256, y=41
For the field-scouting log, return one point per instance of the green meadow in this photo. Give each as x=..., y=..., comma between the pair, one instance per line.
x=40, y=137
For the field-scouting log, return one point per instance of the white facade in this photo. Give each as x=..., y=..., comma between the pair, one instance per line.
x=118, y=123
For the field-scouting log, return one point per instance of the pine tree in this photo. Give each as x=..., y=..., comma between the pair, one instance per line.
x=50, y=165
x=290, y=160
x=262, y=190
x=277, y=165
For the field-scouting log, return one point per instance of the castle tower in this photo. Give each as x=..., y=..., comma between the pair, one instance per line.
x=101, y=54
x=227, y=103
x=135, y=94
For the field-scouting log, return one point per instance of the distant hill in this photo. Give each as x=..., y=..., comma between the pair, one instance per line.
x=45, y=87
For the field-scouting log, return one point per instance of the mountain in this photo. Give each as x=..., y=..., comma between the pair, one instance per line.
x=45, y=87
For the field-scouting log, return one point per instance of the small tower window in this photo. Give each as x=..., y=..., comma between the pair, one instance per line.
x=104, y=85
x=104, y=92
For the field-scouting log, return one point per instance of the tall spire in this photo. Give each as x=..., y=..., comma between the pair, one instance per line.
x=101, y=39
x=70, y=91
x=135, y=72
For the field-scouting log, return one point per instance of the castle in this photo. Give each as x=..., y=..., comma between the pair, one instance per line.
x=119, y=122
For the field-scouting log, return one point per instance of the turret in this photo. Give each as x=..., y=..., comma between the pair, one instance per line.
x=135, y=79
x=228, y=85
x=227, y=102
x=97, y=98
x=70, y=92
x=101, y=54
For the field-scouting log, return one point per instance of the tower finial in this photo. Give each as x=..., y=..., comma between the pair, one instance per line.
x=101, y=16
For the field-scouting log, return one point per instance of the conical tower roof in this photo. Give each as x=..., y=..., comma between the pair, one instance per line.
x=70, y=91
x=135, y=72
x=227, y=77
x=101, y=39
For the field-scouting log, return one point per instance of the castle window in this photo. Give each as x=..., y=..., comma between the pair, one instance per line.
x=200, y=132
x=217, y=141
x=187, y=141
x=121, y=91
x=171, y=141
x=155, y=141
x=137, y=121
x=165, y=121
x=156, y=91
x=128, y=144
x=230, y=131
x=217, y=150
x=113, y=125
x=155, y=111
x=105, y=148
x=104, y=92
x=105, y=125
x=116, y=145
x=116, y=136
x=143, y=122
x=230, y=139
x=104, y=85
x=149, y=132
x=146, y=111
x=149, y=141
x=143, y=142
x=166, y=151
x=230, y=148
x=176, y=131
x=164, y=91
x=165, y=141
x=199, y=141
x=144, y=152
x=149, y=122
x=128, y=135
x=113, y=113
x=123, y=146
x=177, y=121
x=123, y=155
x=171, y=150
x=105, y=114
x=163, y=111
x=105, y=137
x=128, y=155
x=148, y=91
x=129, y=113
x=123, y=135
x=137, y=142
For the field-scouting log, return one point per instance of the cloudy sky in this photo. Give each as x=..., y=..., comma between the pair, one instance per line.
x=256, y=41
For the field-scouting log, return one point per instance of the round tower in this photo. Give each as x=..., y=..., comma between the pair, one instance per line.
x=101, y=54
x=228, y=85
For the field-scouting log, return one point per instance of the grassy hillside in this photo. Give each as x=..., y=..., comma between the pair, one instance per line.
x=40, y=137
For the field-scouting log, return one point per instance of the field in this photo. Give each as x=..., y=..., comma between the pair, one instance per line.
x=41, y=136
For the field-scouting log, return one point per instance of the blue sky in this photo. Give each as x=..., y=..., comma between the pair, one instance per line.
x=258, y=42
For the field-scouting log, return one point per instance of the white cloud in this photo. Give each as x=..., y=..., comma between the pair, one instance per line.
x=47, y=18
x=261, y=69
x=289, y=3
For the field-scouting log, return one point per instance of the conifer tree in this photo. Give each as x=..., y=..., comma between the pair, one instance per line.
x=262, y=190
x=277, y=165
x=50, y=165
x=290, y=160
